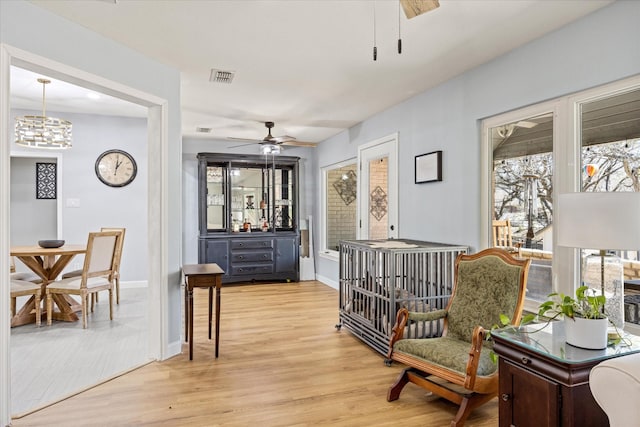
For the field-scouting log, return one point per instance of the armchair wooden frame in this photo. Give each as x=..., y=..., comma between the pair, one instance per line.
x=466, y=389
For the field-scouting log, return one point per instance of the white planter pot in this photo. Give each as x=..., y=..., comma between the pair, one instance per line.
x=586, y=333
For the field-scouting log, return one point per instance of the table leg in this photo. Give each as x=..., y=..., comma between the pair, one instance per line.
x=24, y=315
x=217, y=314
x=210, y=306
x=186, y=311
x=190, y=290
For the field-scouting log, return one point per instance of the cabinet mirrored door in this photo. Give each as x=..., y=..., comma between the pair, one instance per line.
x=249, y=198
x=283, y=198
x=216, y=198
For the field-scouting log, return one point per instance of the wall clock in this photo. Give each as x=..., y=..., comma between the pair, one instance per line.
x=116, y=168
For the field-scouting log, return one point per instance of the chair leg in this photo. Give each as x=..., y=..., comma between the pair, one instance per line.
x=38, y=311
x=85, y=303
x=49, y=308
x=110, y=303
x=117, y=290
x=396, y=388
x=13, y=306
x=469, y=403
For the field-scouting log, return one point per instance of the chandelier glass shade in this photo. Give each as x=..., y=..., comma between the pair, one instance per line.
x=42, y=131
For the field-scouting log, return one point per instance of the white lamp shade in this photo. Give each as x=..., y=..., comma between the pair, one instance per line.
x=592, y=220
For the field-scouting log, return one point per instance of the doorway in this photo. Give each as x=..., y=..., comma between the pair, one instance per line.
x=157, y=121
x=378, y=189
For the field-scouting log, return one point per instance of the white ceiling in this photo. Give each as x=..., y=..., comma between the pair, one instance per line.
x=307, y=65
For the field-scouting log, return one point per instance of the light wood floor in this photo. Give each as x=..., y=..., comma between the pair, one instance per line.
x=282, y=363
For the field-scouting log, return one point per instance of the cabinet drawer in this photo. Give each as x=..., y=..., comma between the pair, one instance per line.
x=239, y=257
x=251, y=269
x=251, y=244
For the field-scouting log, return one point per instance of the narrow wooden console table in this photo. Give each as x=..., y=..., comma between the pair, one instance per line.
x=545, y=382
x=201, y=276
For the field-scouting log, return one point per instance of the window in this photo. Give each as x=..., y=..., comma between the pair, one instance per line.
x=610, y=162
x=522, y=177
x=589, y=141
x=340, y=183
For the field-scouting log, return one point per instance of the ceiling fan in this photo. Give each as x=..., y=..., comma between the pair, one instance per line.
x=413, y=8
x=271, y=140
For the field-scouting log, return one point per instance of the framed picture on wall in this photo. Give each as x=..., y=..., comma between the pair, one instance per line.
x=429, y=167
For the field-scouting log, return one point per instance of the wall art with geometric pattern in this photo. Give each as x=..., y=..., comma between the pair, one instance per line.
x=46, y=180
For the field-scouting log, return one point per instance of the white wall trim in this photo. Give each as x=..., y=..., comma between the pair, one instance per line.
x=327, y=281
x=5, y=315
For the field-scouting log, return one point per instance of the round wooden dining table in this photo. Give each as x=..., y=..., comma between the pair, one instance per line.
x=48, y=264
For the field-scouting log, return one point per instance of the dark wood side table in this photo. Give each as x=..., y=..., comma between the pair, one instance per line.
x=545, y=382
x=201, y=276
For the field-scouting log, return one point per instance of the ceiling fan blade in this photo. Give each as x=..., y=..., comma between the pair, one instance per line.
x=526, y=124
x=257, y=141
x=296, y=143
x=413, y=8
x=243, y=145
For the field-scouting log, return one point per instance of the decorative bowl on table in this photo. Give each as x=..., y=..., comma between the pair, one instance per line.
x=50, y=243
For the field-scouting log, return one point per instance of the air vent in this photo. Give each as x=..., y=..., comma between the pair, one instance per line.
x=203, y=130
x=220, y=76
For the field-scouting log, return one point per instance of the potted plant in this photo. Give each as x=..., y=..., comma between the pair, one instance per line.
x=584, y=317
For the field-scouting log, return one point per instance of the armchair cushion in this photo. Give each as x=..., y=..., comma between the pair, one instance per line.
x=447, y=352
x=484, y=290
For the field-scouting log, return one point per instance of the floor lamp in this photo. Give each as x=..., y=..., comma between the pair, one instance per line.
x=604, y=221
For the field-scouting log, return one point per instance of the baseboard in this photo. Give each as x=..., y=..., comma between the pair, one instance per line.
x=134, y=284
x=173, y=349
x=327, y=281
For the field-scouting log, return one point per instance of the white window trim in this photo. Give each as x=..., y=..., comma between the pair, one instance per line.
x=325, y=252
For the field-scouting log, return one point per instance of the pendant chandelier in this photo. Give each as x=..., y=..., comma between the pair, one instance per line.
x=42, y=131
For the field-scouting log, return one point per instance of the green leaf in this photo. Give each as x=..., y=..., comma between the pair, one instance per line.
x=504, y=320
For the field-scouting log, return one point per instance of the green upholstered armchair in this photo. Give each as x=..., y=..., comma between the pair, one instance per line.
x=457, y=366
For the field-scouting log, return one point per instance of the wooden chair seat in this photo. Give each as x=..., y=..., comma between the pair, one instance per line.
x=19, y=275
x=21, y=288
x=458, y=365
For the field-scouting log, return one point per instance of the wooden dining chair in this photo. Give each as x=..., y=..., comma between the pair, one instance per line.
x=20, y=275
x=20, y=288
x=502, y=233
x=97, y=274
x=118, y=256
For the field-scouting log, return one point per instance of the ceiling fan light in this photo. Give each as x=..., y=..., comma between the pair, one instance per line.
x=270, y=149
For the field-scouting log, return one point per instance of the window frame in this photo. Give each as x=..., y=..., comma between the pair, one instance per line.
x=324, y=251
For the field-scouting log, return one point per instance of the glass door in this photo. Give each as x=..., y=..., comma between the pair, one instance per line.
x=216, y=198
x=377, y=191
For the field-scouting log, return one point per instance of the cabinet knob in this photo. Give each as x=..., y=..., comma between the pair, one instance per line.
x=505, y=397
x=525, y=361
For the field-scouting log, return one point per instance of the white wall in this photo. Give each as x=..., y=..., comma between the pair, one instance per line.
x=100, y=205
x=600, y=48
x=32, y=219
